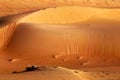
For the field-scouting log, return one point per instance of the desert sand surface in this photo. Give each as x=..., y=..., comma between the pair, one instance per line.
x=60, y=73
x=73, y=15
x=87, y=49
x=47, y=73
x=9, y=7
x=33, y=44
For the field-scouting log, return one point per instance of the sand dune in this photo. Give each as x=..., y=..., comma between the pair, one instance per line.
x=45, y=74
x=86, y=46
x=59, y=73
x=9, y=7
x=69, y=47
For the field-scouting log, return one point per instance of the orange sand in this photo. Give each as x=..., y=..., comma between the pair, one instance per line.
x=91, y=44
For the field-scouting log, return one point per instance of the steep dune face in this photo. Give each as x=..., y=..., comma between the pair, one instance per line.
x=8, y=26
x=98, y=30
x=6, y=34
x=73, y=48
x=9, y=9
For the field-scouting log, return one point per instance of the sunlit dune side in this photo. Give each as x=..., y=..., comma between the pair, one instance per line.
x=8, y=7
x=47, y=73
x=59, y=15
x=101, y=73
x=60, y=73
x=69, y=15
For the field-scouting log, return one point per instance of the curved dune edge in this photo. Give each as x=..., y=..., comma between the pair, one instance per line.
x=7, y=26
x=71, y=15
x=59, y=73
x=18, y=6
x=47, y=73
x=9, y=7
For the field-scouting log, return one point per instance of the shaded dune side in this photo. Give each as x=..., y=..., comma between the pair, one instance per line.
x=68, y=48
x=8, y=26
x=6, y=33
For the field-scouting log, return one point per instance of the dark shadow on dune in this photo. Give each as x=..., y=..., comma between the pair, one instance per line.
x=6, y=20
x=27, y=38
